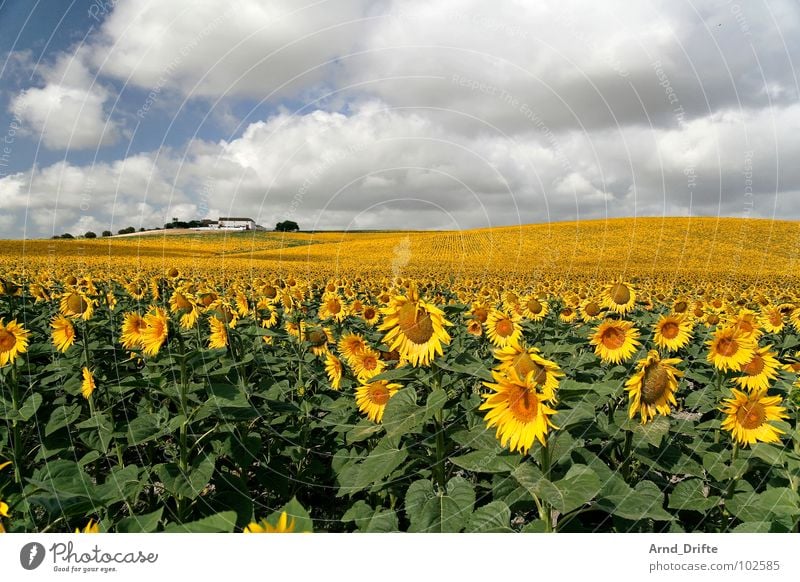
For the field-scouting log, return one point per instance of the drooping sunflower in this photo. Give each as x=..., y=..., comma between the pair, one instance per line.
x=518, y=411
x=544, y=374
x=242, y=304
x=366, y=364
x=13, y=341
x=748, y=415
x=502, y=329
x=155, y=331
x=76, y=304
x=415, y=328
x=132, y=326
x=615, y=341
x=334, y=369
x=619, y=297
x=218, y=337
x=182, y=303
x=318, y=338
x=284, y=525
x=480, y=311
x=88, y=385
x=63, y=333
x=372, y=398
x=760, y=370
x=729, y=349
x=474, y=327
x=672, y=332
x=652, y=387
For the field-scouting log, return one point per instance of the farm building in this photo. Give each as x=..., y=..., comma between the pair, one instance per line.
x=229, y=223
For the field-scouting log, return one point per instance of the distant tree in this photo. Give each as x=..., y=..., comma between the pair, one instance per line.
x=142, y=229
x=107, y=233
x=67, y=235
x=89, y=234
x=127, y=230
x=287, y=226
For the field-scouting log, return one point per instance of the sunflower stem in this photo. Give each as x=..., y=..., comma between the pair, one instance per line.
x=626, y=455
x=183, y=451
x=17, y=448
x=734, y=473
x=547, y=515
x=440, y=472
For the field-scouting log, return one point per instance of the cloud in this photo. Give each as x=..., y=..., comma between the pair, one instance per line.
x=375, y=166
x=69, y=111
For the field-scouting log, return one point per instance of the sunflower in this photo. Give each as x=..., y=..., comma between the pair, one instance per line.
x=370, y=315
x=284, y=525
x=88, y=385
x=590, y=310
x=480, y=311
x=92, y=527
x=619, y=297
x=372, y=398
x=242, y=305
x=567, y=314
x=518, y=411
x=318, y=338
x=333, y=368
x=268, y=316
x=63, y=333
x=3, y=504
x=474, y=327
x=729, y=349
x=351, y=345
x=615, y=341
x=760, y=370
x=367, y=364
x=771, y=319
x=155, y=331
x=502, y=329
x=183, y=304
x=218, y=338
x=672, y=332
x=13, y=341
x=534, y=309
x=332, y=307
x=76, y=304
x=746, y=322
x=132, y=326
x=544, y=374
x=415, y=328
x=747, y=416
x=652, y=388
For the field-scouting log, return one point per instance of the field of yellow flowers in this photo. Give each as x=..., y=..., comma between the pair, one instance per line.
x=621, y=375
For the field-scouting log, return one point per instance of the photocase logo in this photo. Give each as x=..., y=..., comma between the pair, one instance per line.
x=31, y=555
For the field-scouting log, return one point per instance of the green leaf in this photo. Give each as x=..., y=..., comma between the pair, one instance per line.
x=691, y=494
x=487, y=461
x=384, y=459
x=579, y=486
x=362, y=431
x=189, y=484
x=296, y=516
x=30, y=406
x=492, y=517
x=654, y=431
x=222, y=522
x=645, y=501
x=62, y=416
x=143, y=428
x=146, y=523
x=371, y=520
x=446, y=511
x=96, y=432
x=778, y=502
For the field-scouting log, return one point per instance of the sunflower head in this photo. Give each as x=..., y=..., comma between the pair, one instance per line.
x=372, y=398
x=88, y=385
x=415, y=328
x=619, y=297
x=652, y=388
x=13, y=341
x=729, y=349
x=672, y=332
x=747, y=417
x=63, y=333
x=615, y=341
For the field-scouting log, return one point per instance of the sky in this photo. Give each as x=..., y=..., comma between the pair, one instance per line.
x=413, y=114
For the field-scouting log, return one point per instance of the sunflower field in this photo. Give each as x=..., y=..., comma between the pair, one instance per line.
x=624, y=375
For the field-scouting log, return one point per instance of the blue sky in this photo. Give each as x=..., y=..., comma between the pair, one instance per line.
x=354, y=114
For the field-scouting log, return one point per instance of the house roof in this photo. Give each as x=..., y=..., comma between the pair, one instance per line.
x=221, y=218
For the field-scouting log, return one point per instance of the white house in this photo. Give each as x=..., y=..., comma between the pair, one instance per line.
x=229, y=223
